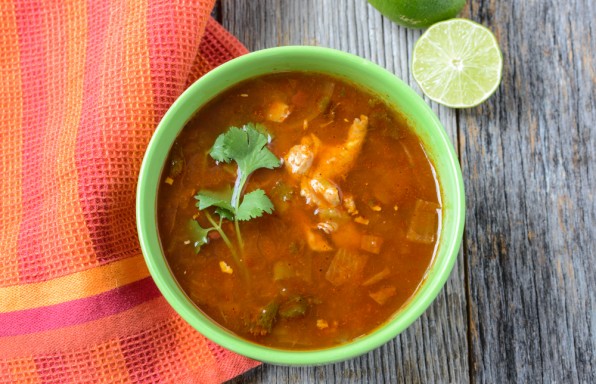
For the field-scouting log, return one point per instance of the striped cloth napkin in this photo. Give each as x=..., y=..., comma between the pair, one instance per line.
x=82, y=87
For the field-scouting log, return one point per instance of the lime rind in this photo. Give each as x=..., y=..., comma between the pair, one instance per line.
x=418, y=13
x=457, y=63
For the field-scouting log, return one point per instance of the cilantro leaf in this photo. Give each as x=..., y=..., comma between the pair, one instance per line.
x=219, y=152
x=221, y=199
x=224, y=213
x=253, y=205
x=246, y=146
x=198, y=234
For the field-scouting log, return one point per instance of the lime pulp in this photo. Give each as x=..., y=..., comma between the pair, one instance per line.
x=457, y=63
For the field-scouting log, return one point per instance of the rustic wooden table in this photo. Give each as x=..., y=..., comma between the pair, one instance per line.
x=520, y=304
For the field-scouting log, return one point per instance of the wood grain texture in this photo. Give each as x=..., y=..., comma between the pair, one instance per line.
x=520, y=304
x=434, y=348
x=528, y=157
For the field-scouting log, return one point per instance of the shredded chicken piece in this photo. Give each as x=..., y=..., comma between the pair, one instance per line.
x=300, y=157
x=327, y=190
x=337, y=160
x=319, y=165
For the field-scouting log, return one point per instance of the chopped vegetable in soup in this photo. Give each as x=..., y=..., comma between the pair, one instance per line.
x=298, y=211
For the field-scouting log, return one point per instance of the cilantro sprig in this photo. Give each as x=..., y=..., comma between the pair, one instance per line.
x=247, y=147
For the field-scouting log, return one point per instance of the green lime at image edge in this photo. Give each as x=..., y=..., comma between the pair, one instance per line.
x=418, y=13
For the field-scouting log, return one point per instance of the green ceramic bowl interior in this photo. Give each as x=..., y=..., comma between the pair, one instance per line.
x=360, y=72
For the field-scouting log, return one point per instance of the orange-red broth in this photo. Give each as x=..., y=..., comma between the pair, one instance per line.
x=394, y=189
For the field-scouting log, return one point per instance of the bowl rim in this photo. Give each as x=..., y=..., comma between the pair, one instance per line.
x=147, y=229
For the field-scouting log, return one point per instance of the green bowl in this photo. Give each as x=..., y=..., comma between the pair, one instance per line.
x=360, y=72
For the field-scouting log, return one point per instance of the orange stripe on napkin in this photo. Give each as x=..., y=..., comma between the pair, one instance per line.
x=138, y=96
x=101, y=183
x=47, y=143
x=11, y=113
x=124, y=121
x=70, y=214
x=72, y=287
x=47, y=246
x=36, y=79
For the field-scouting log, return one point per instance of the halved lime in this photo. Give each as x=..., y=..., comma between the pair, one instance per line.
x=457, y=63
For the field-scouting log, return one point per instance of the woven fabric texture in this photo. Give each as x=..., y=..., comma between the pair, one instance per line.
x=82, y=88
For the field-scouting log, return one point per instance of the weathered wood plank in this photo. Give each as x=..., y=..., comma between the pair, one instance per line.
x=528, y=157
x=434, y=348
x=530, y=242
